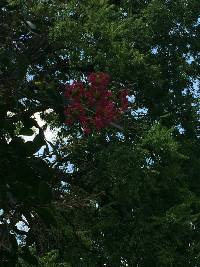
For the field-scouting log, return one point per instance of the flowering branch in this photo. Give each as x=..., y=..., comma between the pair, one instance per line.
x=94, y=107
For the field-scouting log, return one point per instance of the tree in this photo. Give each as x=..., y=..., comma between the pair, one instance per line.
x=120, y=196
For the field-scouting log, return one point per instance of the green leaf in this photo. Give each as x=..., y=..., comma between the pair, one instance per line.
x=44, y=192
x=30, y=238
x=45, y=172
x=28, y=257
x=28, y=122
x=46, y=214
x=26, y=131
x=35, y=145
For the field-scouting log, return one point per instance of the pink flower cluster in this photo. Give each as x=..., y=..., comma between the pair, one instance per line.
x=93, y=106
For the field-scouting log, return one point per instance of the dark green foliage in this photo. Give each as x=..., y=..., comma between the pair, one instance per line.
x=130, y=198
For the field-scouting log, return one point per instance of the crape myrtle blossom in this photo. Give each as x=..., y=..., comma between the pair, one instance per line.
x=93, y=105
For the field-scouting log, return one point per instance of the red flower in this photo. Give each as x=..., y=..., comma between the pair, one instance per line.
x=95, y=107
x=99, y=79
x=124, y=100
x=84, y=120
x=76, y=108
x=75, y=90
x=98, y=122
x=86, y=130
x=69, y=122
x=89, y=95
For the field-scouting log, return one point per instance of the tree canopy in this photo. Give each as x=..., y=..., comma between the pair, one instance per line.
x=126, y=193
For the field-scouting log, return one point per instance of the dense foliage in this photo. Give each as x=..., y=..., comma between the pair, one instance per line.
x=127, y=194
